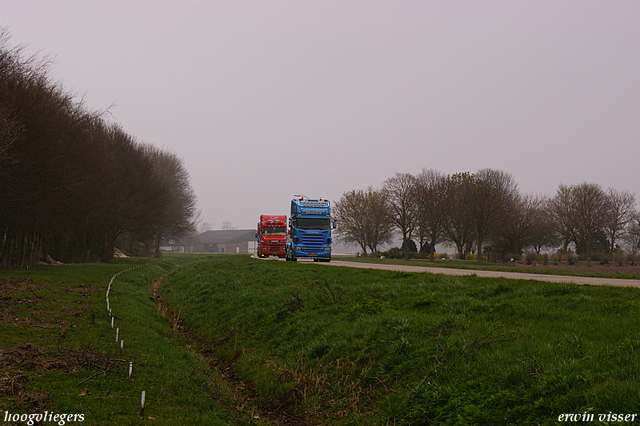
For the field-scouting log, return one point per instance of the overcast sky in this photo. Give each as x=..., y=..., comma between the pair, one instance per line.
x=267, y=99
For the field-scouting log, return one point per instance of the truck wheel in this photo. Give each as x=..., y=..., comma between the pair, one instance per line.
x=289, y=255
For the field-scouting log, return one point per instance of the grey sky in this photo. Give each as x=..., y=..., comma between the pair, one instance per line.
x=267, y=99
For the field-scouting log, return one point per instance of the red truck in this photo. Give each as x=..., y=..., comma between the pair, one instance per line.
x=272, y=235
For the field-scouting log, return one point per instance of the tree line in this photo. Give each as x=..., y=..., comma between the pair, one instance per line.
x=72, y=183
x=484, y=212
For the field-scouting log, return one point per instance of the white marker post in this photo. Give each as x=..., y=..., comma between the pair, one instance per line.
x=130, y=369
x=121, y=345
x=142, y=406
x=112, y=322
x=117, y=331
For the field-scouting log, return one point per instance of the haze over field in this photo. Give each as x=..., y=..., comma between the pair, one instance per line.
x=264, y=100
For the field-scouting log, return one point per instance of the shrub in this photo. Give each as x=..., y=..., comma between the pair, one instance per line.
x=530, y=256
x=473, y=256
x=394, y=253
x=620, y=258
x=563, y=255
x=545, y=258
x=413, y=248
x=599, y=256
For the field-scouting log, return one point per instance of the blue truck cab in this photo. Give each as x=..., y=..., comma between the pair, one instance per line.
x=310, y=226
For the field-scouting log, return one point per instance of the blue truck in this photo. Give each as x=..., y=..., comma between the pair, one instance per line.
x=310, y=226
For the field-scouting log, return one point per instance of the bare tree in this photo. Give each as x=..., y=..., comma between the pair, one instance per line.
x=381, y=228
x=458, y=226
x=178, y=211
x=351, y=213
x=400, y=193
x=364, y=219
x=43, y=153
x=632, y=234
x=8, y=131
x=514, y=233
x=493, y=193
x=432, y=204
x=527, y=225
x=561, y=211
x=621, y=206
x=590, y=210
x=9, y=66
x=69, y=183
x=204, y=227
x=541, y=234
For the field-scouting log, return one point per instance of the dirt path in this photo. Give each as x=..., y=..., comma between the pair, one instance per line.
x=491, y=274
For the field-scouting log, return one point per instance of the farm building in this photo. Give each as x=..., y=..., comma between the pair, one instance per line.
x=225, y=241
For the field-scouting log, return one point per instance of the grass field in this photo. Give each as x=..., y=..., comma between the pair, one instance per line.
x=58, y=351
x=235, y=340
x=343, y=346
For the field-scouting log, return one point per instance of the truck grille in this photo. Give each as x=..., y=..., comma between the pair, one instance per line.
x=312, y=243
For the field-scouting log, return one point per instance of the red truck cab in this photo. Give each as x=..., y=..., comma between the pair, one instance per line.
x=272, y=235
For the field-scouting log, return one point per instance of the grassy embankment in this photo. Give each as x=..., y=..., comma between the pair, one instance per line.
x=59, y=353
x=337, y=345
x=322, y=345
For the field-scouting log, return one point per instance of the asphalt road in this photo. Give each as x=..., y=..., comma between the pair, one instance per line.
x=490, y=274
x=480, y=273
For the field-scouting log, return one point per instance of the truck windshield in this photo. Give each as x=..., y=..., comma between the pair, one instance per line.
x=274, y=230
x=312, y=223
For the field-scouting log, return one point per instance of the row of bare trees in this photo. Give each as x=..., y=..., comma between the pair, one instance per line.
x=71, y=183
x=485, y=212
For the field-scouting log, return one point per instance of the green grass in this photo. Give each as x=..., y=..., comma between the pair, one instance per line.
x=349, y=346
x=59, y=351
x=313, y=344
